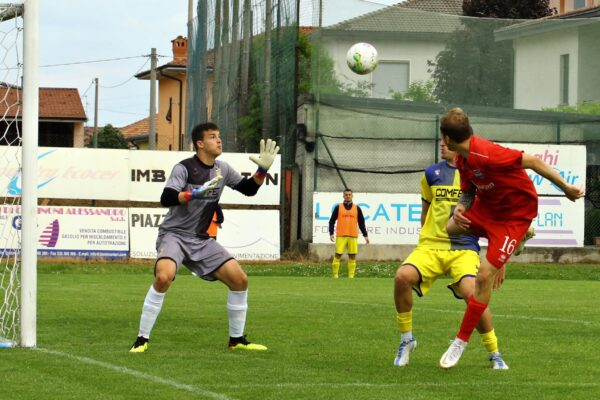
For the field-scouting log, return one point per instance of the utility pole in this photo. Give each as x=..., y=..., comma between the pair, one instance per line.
x=266, y=128
x=95, y=141
x=190, y=30
x=152, y=117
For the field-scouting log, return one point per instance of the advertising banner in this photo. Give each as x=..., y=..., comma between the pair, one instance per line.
x=395, y=219
x=68, y=173
x=108, y=174
x=151, y=169
x=246, y=234
x=559, y=223
x=568, y=160
x=390, y=218
x=89, y=232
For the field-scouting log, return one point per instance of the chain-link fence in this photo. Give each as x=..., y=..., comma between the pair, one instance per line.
x=520, y=82
x=242, y=70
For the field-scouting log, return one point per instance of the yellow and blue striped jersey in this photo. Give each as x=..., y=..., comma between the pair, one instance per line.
x=440, y=187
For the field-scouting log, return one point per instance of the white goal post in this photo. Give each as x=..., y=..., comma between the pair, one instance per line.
x=19, y=127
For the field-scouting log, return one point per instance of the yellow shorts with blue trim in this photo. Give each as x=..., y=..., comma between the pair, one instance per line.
x=341, y=242
x=431, y=264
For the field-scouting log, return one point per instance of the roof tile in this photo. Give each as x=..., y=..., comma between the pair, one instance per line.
x=55, y=103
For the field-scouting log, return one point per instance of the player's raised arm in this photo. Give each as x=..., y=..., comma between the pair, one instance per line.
x=542, y=168
x=268, y=151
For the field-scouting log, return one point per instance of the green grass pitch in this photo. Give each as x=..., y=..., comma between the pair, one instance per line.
x=328, y=339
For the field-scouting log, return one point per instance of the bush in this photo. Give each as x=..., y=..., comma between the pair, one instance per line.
x=592, y=225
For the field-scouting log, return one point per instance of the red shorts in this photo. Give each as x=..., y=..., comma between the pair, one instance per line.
x=503, y=235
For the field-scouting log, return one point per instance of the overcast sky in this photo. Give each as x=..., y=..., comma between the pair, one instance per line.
x=77, y=31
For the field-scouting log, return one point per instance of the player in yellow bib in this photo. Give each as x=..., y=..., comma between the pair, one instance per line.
x=439, y=254
x=349, y=219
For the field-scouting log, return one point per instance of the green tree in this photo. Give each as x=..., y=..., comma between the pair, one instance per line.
x=522, y=9
x=110, y=137
x=313, y=57
x=474, y=68
x=250, y=125
x=419, y=91
x=588, y=107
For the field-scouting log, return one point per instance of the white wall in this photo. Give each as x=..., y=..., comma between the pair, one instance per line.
x=537, y=68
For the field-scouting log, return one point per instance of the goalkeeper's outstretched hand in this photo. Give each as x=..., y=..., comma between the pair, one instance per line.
x=268, y=151
x=201, y=191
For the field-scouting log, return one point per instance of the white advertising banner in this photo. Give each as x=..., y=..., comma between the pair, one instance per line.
x=395, y=219
x=107, y=174
x=568, y=160
x=68, y=173
x=150, y=171
x=559, y=223
x=390, y=218
x=246, y=234
x=89, y=232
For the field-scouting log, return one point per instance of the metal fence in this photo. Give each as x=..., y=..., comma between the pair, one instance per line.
x=242, y=70
x=383, y=146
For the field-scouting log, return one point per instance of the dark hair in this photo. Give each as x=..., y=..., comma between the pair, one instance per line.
x=198, y=132
x=347, y=190
x=455, y=124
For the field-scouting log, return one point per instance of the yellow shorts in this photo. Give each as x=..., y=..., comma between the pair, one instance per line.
x=341, y=242
x=431, y=264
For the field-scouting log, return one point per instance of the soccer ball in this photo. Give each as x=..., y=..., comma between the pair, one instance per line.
x=362, y=58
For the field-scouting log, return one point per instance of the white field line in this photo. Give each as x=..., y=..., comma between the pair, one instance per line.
x=405, y=385
x=510, y=316
x=138, y=374
x=290, y=385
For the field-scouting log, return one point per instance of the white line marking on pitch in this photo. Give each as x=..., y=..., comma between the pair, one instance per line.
x=525, y=317
x=404, y=385
x=138, y=374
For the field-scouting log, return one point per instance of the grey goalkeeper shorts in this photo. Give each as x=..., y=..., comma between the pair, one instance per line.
x=201, y=256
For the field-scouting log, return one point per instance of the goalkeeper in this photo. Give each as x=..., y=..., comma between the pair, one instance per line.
x=438, y=254
x=192, y=194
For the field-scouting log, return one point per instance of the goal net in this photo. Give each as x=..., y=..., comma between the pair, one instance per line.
x=11, y=154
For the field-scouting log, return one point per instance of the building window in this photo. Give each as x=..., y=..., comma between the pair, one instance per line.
x=390, y=76
x=564, y=79
x=578, y=4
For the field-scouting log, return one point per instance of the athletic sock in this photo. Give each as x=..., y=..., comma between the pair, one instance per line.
x=335, y=267
x=152, y=305
x=472, y=315
x=351, y=268
x=490, y=341
x=237, y=307
x=405, y=325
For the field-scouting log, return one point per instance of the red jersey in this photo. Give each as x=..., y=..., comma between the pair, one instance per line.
x=502, y=184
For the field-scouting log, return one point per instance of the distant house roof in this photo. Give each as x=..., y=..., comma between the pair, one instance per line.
x=59, y=104
x=412, y=16
x=551, y=23
x=138, y=130
x=587, y=12
x=453, y=7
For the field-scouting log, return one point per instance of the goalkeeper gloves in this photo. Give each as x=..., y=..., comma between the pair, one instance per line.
x=268, y=151
x=199, y=192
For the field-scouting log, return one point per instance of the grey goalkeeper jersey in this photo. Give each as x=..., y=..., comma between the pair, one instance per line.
x=193, y=218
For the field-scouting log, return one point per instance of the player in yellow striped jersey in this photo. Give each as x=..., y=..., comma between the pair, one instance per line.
x=438, y=254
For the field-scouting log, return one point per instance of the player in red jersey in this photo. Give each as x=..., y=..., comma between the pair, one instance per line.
x=498, y=202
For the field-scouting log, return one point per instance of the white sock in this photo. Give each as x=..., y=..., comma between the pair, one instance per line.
x=152, y=305
x=406, y=336
x=237, y=306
